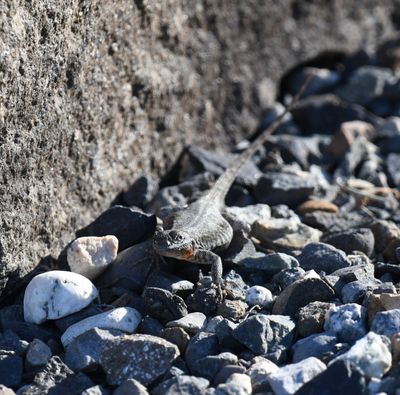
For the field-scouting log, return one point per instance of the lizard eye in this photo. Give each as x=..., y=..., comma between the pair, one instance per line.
x=179, y=237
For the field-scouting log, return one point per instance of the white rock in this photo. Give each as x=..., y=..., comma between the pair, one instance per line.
x=370, y=354
x=288, y=379
x=125, y=319
x=90, y=256
x=259, y=371
x=237, y=383
x=261, y=296
x=191, y=322
x=56, y=294
x=250, y=214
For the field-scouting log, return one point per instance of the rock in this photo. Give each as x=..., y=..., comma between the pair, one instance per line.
x=5, y=390
x=84, y=352
x=202, y=160
x=362, y=272
x=57, y=378
x=130, y=268
x=177, y=336
x=346, y=135
x=265, y=334
x=369, y=354
x=322, y=257
x=284, y=188
x=249, y=214
x=234, y=285
x=200, y=346
x=163, y=305
x=96, y=390
x=311, y=318
x=348, y=322
x=224, y=331
x=150, y=326
x=300, y=293
x=128, y=225
x=10, y=343
x=141, y=357
x=56, y=294
x=309, y=206
x=384, y=233
x=240, y=248
x=237, y=384
x=288, y=276
x=191, y=323
x=210, y=365
x=141, y=192
x=38, y=354
x=259, y=296
x=357, y=290
x=90, y=256
x=386, y=323
x=395, y=343
x=204, y=300
x=288, y=379
x=125, y=319
x=339, y=378
x=225, y=372
x=314, y=346
x=364, y=84
x=11, y=367
x=183, y=385
x=284, y=234
x=259, y=372
x=269, y=263
x=232, y=309
x=393, y=167
x=361, y=239
x=131, y=387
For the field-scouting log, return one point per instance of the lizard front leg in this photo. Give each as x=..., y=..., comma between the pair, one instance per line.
x=206, y=257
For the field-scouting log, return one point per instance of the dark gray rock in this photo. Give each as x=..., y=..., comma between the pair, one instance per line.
x=128, y=225
x=210, y=365
x=163, y=305
x=353, y=240
x=191, y=323
x=130, y=268
x=339, y=378
x=167, y=281
x=240, y=248
x=269, y=263
x=150, y=326
x=225, y=372
x=11, y=367
x=183, y=385
x=322, y=257
x=85, y=351
x=177, y=336
x=9, y=341
x=311, y=318
x=393, y=168
x=38, y=354
x=386, y=322
x=234, y=285
x=203, y=299
x=356, y=291
x=301, y=293
x=131, y=387
x=56, y=378
x=283, y=188
x=288, y=276
x=226, y=340
x=265, y=334
x=200, y=159
x=140, y=192
x=142, y=357
x=348, y=322
x=201, y=345
x=323, y=114
x=362, y=272
x=314, y=346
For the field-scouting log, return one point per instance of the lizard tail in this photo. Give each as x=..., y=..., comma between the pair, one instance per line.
x=221, y=187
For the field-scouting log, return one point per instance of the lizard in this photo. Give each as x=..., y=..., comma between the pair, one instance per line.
x=196, y=231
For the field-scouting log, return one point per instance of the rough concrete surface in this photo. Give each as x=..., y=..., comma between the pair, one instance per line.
x=93, y=93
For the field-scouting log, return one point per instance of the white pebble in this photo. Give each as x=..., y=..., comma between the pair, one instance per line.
x=90, y=256
x=257, y=295
x=288, y=379
x=370, y=354
x=125, y=319
x=56, y=294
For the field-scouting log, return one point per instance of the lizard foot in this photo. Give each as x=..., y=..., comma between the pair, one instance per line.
x=220, y=293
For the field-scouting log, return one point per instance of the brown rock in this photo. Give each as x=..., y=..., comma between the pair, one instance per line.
x=396, y=348
x=374, y=306
x=301, y=293
x=346, y=136
x=317, y=205
x=384, y=233
x=312, y=318
x=232, y=309
x=389, y=253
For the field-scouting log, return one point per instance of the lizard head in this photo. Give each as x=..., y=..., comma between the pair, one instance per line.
x=173, y=243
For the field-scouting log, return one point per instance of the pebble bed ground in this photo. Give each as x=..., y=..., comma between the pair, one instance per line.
x=311, y=276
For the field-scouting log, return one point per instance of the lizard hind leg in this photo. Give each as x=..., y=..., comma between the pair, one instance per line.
x=210, y=258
